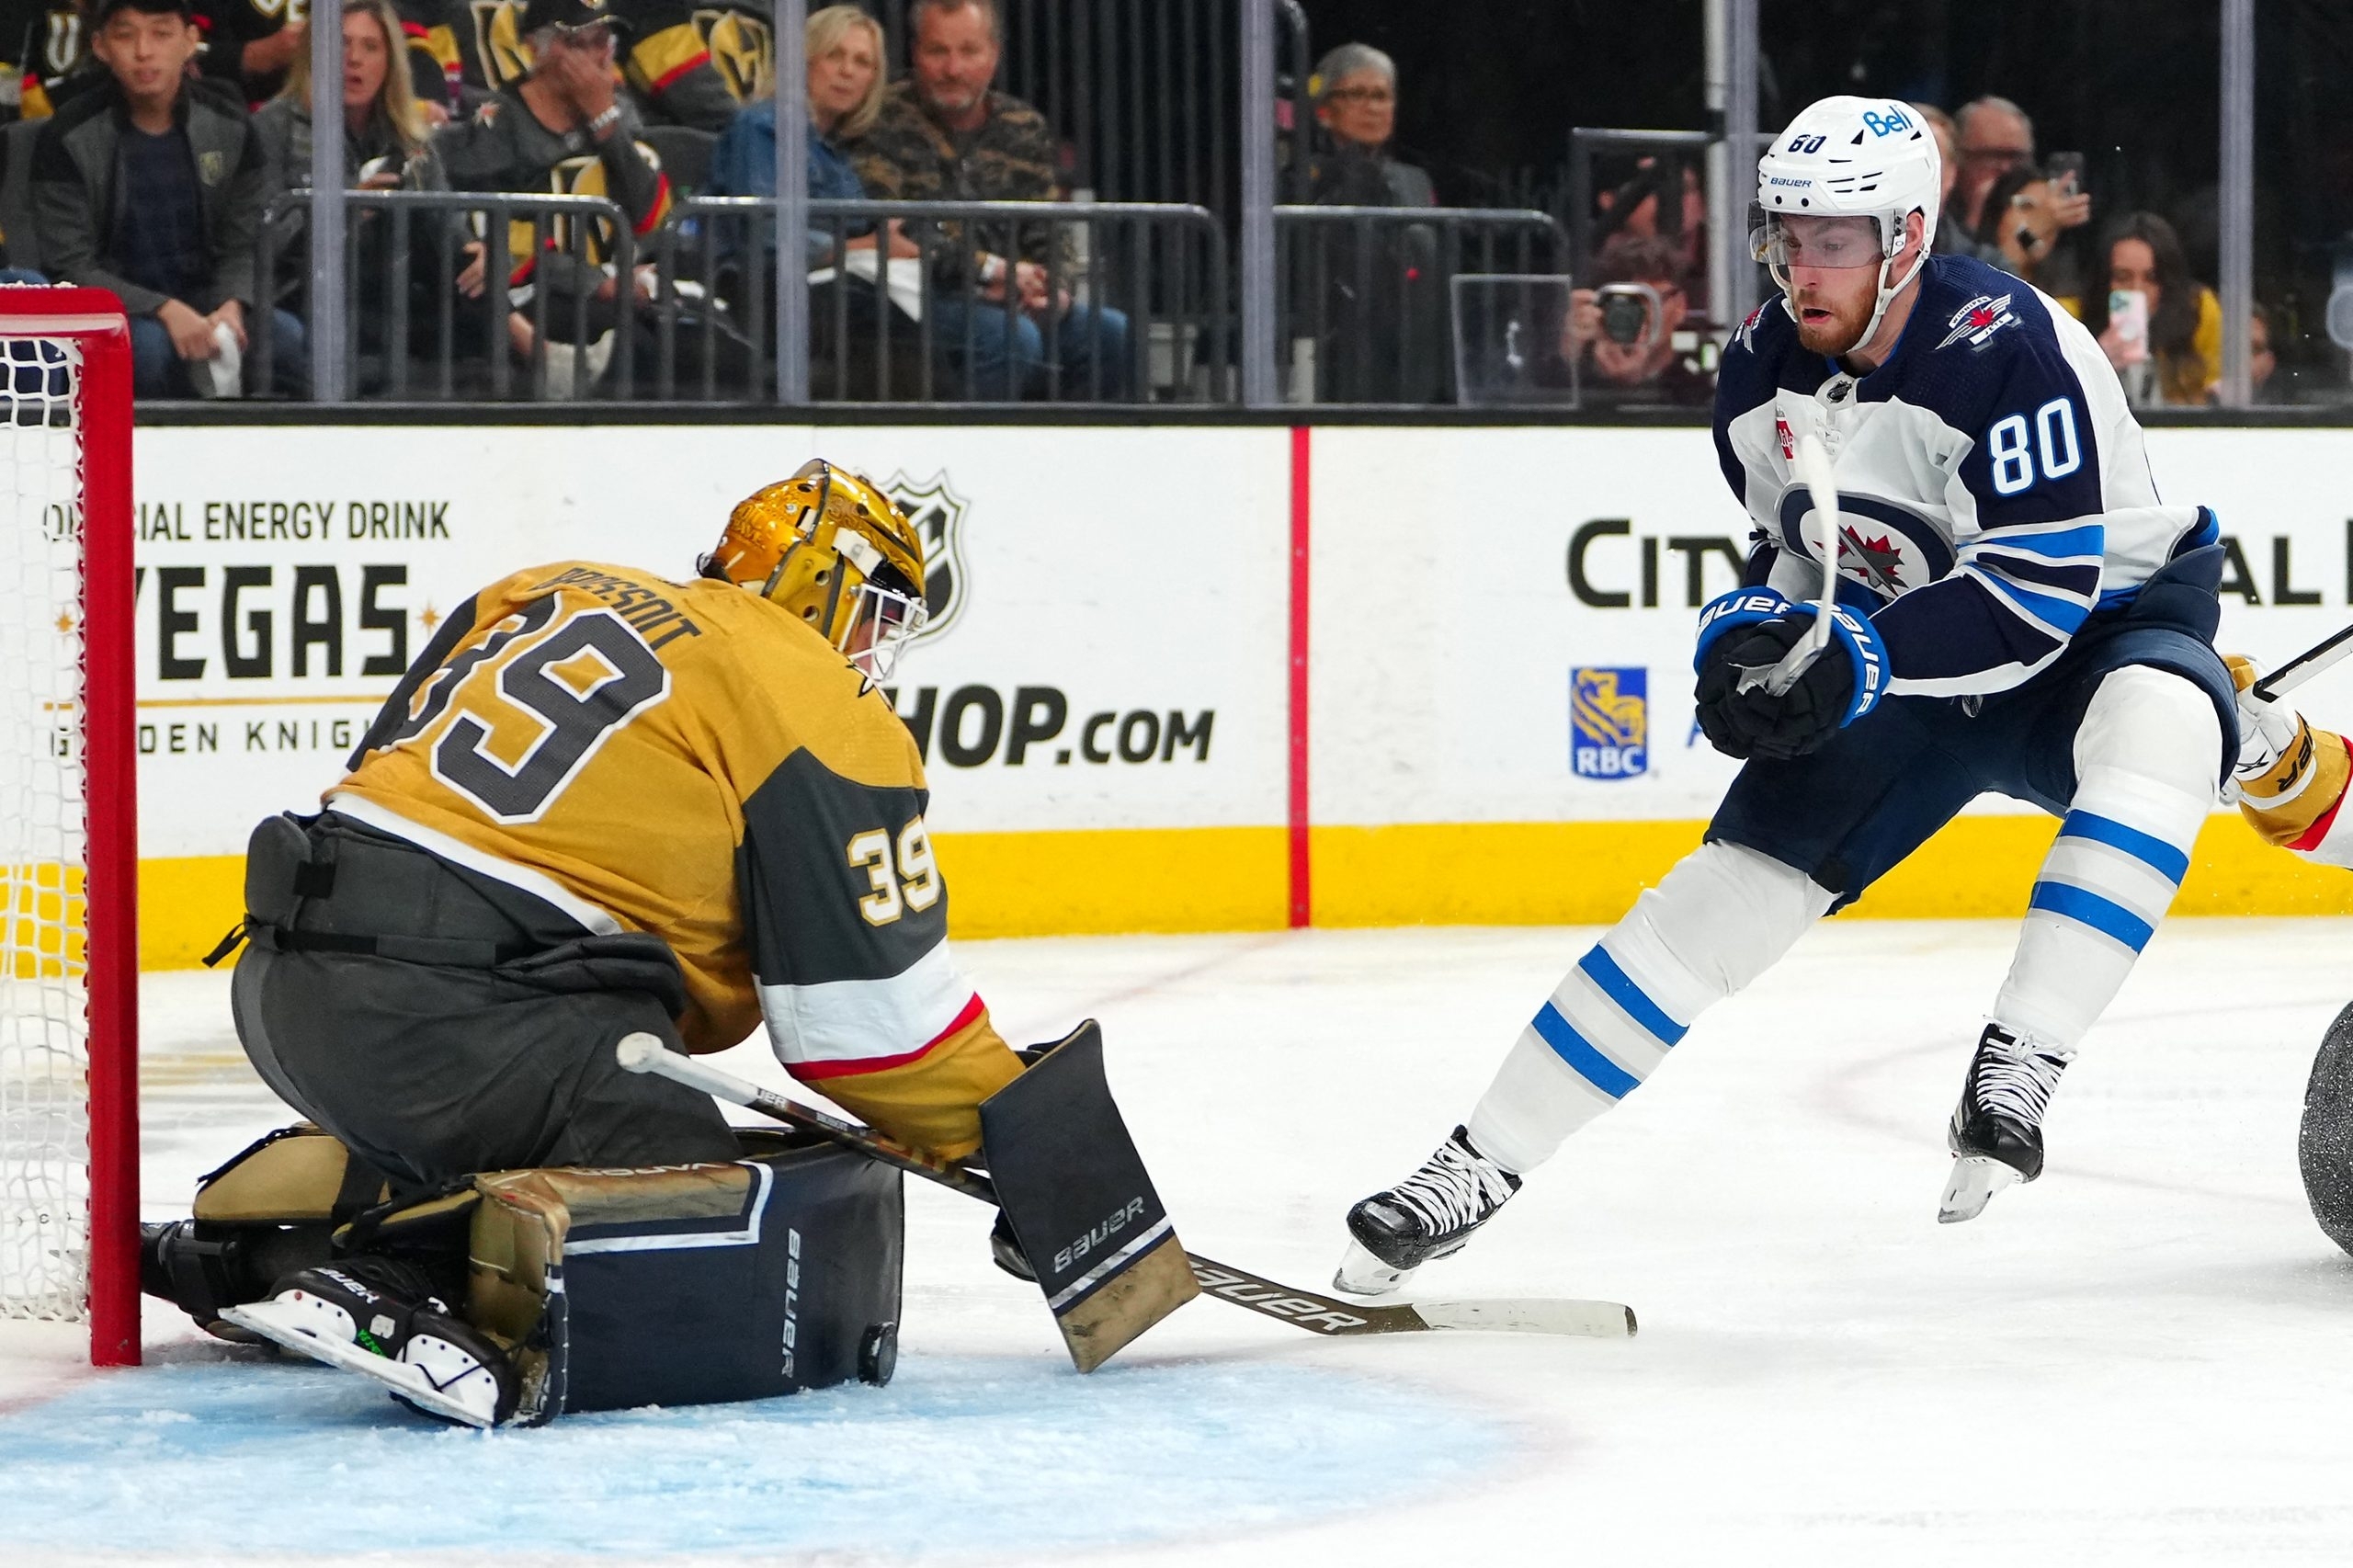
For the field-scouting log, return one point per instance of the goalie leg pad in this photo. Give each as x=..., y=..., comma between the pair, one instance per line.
x=690, y=1284
x=1080, y=1203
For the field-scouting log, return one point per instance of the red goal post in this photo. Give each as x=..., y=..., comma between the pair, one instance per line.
x=69, y=943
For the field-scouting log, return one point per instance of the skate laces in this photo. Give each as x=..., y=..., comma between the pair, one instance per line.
x=1455, y=1187
x=2014, y=1078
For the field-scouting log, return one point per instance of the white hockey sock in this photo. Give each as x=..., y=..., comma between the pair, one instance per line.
x=2146, y=762
x=1710, y=928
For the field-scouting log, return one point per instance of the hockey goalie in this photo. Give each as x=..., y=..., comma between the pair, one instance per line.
x=599, y=804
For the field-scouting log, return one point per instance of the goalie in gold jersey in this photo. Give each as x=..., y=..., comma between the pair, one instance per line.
x=602, y=803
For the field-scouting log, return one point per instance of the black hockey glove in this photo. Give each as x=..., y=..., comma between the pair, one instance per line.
x=1757, y=723
x=1750, y=630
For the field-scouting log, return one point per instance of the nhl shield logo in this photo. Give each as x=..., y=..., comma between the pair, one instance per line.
x=938, y=513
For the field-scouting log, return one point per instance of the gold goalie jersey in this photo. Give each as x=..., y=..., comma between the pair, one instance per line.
x=687, y=760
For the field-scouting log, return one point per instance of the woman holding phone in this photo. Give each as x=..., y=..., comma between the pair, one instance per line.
x=2160, y=327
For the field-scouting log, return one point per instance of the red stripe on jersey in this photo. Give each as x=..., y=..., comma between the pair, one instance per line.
x=810, y=1071
x=663, y=82
x=661, y=208
x=416, y=30
x=2311, y=837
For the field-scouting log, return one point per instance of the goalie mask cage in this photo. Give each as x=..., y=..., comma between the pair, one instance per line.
x=69, y=833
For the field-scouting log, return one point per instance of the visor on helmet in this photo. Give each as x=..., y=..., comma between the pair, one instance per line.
x=1783, y=240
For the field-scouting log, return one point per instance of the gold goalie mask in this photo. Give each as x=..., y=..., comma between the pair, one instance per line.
x=838, y=555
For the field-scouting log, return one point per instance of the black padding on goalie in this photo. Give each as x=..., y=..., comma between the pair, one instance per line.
x=1067, y=1172
x=776, y=1299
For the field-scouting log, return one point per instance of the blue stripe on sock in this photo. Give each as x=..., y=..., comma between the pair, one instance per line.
x=1603, y=971
x=2169, y=862
x=1590, y=1065
x=2104, y=916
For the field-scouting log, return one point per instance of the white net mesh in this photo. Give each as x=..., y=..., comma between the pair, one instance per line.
x=44, y=1031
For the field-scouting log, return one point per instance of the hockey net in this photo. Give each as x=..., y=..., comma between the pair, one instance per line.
x=68, y=834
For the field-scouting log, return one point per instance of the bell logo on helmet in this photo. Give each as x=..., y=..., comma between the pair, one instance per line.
x=938, y=514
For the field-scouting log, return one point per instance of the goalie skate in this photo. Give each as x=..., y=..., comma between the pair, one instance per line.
x=361, y=1317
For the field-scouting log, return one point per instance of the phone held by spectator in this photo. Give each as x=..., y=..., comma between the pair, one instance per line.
x=2128, y=325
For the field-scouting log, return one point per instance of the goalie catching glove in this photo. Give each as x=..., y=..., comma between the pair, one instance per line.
x=1743, y=635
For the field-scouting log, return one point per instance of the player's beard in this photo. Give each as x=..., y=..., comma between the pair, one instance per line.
x=1840, y=331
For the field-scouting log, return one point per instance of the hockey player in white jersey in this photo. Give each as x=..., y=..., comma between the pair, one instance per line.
x=2019, y=613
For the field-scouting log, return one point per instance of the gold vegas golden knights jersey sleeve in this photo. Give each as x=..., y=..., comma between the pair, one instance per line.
x=690, y=760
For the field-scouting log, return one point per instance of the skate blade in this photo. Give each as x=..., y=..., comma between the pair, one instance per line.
x=1975, y=1179
x=283, y=1328
x=1361, y=1273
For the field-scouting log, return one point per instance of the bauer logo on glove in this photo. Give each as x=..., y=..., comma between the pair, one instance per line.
x=1750, y=630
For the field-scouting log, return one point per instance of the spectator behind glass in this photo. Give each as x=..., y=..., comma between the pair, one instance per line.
x=944, y=135
x=1653, y=359
x=531, y=137
x=845, y=54
x=383, y=123
x=1356, y=104
x=151, y=185
x=2262, y=360
x=2179, y=359
x=1995, y=137
x=1952, y=238
x=249, y=45
x=2021, y=223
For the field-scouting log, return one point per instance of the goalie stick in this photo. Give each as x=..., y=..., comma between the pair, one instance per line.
x=1307, y=1309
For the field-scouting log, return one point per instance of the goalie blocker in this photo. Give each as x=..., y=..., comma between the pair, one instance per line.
x=605, y=1289
x=1080, y=1203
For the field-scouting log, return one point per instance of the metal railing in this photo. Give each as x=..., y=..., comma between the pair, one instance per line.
x=1363, y=294
x=1141, y=288
x=411, y=333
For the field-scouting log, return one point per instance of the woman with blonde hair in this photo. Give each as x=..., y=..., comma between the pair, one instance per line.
x=845, y=53
x=383, y=122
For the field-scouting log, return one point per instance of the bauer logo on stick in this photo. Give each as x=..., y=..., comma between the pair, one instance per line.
x=1608, y=723
x=938, y=513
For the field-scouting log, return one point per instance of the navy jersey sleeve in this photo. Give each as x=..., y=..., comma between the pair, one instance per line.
x=2029, y=572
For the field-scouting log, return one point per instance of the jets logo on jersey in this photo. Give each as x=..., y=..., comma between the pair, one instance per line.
x=1608, y=723
x=938, y=513
x=1882, y=546
x=1979, y=320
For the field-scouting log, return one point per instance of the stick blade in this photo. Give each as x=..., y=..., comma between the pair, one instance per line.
x=1585, y=1320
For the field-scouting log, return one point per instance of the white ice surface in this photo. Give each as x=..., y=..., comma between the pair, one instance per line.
x=2146, y=1358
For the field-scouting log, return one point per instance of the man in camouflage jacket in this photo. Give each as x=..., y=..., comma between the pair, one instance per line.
x=945, y=136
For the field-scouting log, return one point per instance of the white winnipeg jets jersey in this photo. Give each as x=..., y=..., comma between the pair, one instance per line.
x=1992, y=485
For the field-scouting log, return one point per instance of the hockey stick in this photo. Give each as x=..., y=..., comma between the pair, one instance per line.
x=1813, y=468
x=2320, y=657
x=1301, y=1308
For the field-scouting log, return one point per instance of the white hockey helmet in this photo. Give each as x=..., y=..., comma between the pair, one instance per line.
x=1849, y=157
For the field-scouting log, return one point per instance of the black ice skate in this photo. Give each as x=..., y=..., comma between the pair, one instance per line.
x=1996, y=1132
x=1429, y=1214
x=381, y=1319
